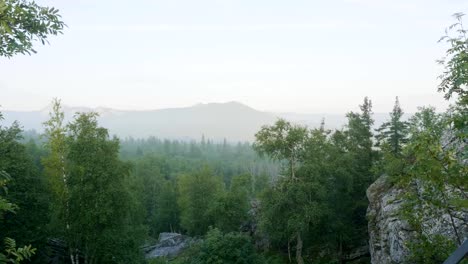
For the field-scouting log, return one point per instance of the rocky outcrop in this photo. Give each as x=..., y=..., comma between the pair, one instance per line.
x=251, y=226
x=169, y=245
x=389, y=233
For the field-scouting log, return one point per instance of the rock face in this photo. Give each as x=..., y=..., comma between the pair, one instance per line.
x=389, y=233
x=169, y=245
x=251, y=226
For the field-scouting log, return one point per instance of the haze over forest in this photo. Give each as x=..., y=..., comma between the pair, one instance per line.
x=232, y=121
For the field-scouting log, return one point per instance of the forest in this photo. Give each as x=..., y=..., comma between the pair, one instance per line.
x=74, y=193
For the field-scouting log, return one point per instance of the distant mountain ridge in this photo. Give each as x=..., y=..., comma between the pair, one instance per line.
x=232, y=120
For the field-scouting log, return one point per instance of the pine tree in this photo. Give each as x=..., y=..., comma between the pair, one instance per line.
x=358, y=146
x=394, y=133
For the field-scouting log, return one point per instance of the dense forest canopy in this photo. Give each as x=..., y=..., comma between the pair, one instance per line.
x=75, y=194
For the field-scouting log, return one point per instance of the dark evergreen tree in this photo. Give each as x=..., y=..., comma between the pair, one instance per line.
x=358, y=146
x=393, y=134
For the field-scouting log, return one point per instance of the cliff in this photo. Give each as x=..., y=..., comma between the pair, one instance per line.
x=389, y=233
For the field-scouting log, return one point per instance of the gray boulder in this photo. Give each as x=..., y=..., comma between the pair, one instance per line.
x=169, y=245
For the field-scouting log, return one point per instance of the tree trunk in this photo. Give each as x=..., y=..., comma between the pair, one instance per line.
x=72, y=256
x=449, y=212
x=299, y=250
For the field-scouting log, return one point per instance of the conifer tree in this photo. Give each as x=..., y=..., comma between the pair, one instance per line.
x=394, y=133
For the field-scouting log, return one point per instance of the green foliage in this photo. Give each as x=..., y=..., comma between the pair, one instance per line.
x=10, y=253
x=455, y=76
x=391, y=138
x=393, y=134
x=24, y=22
x=243, y=183
x=157, y=193
x=429, y=168
x=181, y=157
x=167, y=212
x=14, y=254
x=196, y=193
x=432, y=249
x=99, y=202
x=201, y=196
x=25, y=214
x=316, y=207
x=229, y=210
x=427, y=159
x=357, y=142
x=5, y=205
x=94, y=208
x=294, y=205
x=283, y=141
x=219, y=248
x=160, y=260
x=55, y=168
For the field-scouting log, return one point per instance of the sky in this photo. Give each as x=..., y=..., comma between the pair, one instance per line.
x=285, y=56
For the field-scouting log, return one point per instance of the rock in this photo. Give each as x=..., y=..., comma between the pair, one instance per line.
x=251, y=227
x=169, y=245
x=57, y=251
x=389, y=233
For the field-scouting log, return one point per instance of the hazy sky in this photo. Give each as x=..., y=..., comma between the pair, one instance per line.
x=302, y=56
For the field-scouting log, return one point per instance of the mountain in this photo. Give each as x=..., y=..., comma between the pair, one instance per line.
x=233, y=121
